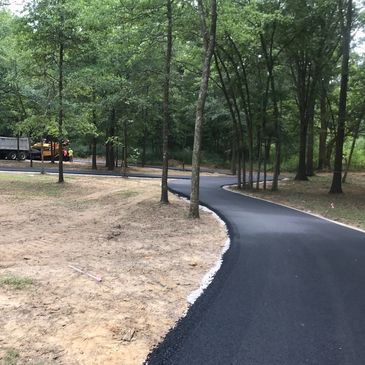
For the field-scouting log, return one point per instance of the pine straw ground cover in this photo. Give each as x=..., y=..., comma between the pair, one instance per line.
x=149, y=258
x=312, y=196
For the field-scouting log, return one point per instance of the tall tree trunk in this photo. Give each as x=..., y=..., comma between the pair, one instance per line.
x=266, y=158
x=94, y=143
x=356, y=134
x=209, y=44
x=237, y=144
x=93, y=163
x=144, y=142
x=60, y=109
x=244, y=183
x=259, y=160
x=267, y=50
x=166, y=106
x=336, y=187
x=233, y=158
x=302, y=168
x=111, y=155
x=107, y=149
x=125, y=148
x=246, y=99
x=324, y=126
x=310, y=144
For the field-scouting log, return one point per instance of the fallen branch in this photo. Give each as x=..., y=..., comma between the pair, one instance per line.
x=97, y=278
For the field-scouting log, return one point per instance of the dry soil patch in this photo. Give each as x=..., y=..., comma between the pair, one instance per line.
x=150, y=257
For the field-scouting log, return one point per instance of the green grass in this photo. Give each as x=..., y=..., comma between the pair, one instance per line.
x=126, y=193
x=15, y=282
x=11, y=357
x=313, y=196
x=28, y=186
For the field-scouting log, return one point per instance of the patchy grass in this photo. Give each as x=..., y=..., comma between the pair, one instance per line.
x=29, y=186
x=313, y=196
x=126, y=193
x=11, y=357
x=15, y=282
x=149, y=256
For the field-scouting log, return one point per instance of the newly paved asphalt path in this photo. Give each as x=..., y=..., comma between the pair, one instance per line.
x=291, y=290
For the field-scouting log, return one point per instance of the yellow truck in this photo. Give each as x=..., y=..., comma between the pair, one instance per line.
x=50, y=149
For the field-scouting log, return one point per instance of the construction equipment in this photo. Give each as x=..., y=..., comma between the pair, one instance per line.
x=50, y=150
x=12, y=148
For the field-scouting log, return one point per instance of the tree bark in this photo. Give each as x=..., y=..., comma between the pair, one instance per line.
x=111, y=152
x=125, y=148
x=93, y=163
x=324, y=126
x=60, y=109
x=209, y=44
x=166, y=107
x=310, y=143
x=356, y=134
x=336, y=187
x=237, y=145
x=94, y=143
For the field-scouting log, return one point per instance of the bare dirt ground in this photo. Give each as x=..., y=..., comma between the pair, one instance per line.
x=149, y=258
x=312, y=196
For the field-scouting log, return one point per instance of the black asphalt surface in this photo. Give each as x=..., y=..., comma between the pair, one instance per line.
x=291, y=290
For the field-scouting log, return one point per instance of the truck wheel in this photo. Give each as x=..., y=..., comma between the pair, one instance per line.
x=22, y=155
x=12, y=155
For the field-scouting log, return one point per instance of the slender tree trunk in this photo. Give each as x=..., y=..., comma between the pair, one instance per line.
x=42, y=158
x=244, y=180
x=266, y=158
x=239, y=170
x=94, y=164
x=336, y=187
x=329, y=151
x=166, y=106
x=60, y=111
x=94, y=144
x=270, y=69
x=111, y=154
x=310, y=145
x=143, y=158
x=244, y=92
x=233, y=158
x=107, y=149
x=209, y=44
x=302, y=168
x=30, y=151
x=237, y=125
x=125, y=148
x=356, y=134
x=259, y=160
x=323, y=130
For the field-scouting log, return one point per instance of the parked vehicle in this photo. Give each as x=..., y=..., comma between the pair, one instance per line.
x=12, y=148
x=50, y=150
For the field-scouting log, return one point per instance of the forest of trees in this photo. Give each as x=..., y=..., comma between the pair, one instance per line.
x=286, y=90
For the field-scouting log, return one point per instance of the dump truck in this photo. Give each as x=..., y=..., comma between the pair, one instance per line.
x=12, y=148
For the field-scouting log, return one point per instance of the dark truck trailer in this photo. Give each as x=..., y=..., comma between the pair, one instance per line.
x=10, y=149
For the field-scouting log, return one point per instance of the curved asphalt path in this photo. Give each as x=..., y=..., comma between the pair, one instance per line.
x=291, y=290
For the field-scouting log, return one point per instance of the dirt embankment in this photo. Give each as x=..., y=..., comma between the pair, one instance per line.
x=149, y=258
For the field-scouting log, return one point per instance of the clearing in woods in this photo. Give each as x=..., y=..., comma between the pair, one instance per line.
x=150, y=257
